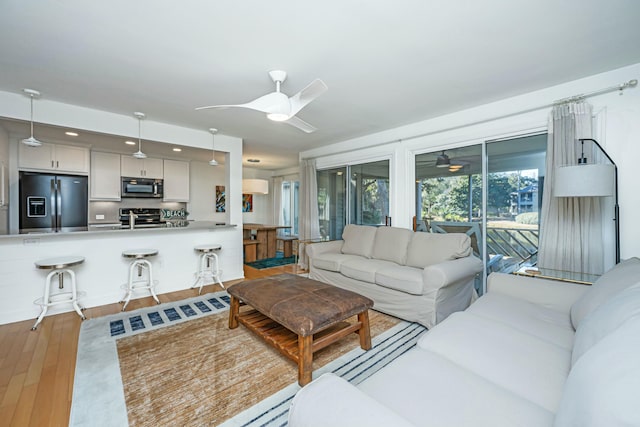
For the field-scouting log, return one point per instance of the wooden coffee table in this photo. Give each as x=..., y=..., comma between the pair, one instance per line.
x=299, y=316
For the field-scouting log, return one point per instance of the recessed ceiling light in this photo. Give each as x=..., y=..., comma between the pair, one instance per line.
x=253, y=160
x=177, y=149
x=71, y=133
x=130, y=143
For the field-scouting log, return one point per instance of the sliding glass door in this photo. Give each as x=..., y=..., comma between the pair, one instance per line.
x=355, y=194
x=504, y=216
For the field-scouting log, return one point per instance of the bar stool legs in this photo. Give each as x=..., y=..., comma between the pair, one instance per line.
x=59, y=267
x=137, y=279
x=208, y=266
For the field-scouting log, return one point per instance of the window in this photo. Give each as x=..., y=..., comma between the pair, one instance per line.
x=369, y=193
x=290, y=202
x=332, y=193
x=362, y=199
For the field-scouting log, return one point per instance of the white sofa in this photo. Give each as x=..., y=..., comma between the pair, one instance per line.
x=531, y=352
x=420, y=277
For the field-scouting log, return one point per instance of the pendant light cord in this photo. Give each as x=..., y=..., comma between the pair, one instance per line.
x=31, y=96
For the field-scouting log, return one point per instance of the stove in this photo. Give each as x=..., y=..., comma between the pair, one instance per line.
x=146, y=216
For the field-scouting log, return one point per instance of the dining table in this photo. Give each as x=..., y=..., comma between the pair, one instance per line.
x=265, y=235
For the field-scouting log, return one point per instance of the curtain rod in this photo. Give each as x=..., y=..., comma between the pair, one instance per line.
x=622, y=86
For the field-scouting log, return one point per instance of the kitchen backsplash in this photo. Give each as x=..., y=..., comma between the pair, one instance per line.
x=108, y=212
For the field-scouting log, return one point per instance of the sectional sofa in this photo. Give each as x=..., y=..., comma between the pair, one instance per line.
x=530, y=352
x=420, y=277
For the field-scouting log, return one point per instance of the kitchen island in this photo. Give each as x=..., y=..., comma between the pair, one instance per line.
x=101, y=276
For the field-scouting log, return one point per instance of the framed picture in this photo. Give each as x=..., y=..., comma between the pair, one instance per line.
x=247, y=203
x=220, y=198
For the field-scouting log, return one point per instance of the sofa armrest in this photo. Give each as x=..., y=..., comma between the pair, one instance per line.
x=314, y=249
x=445, y=273
x=553, y=294
x=331, y=401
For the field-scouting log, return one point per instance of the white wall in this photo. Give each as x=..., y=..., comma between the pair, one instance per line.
x=618, y=133
x=203, y=181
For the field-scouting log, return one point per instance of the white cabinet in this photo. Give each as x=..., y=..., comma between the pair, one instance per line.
x=141, y=168
x=105, y=176
x=54, y=157
x=176, y=181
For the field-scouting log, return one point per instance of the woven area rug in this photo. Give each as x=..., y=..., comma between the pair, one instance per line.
x=133, y=370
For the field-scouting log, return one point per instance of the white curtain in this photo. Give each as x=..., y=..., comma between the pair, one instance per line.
x=570, y=227
x=278, y=219
x=308, y=223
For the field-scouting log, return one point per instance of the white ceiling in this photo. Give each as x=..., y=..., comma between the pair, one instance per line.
x=386, y=63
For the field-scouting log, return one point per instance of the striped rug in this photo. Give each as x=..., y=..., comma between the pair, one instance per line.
x=124, y=341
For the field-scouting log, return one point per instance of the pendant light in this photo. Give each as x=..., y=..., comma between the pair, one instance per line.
x=31, y=141
x=139, y=154
x=213, y=162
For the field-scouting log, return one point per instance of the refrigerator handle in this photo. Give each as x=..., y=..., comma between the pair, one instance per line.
x=59, y=205
x=53, y=205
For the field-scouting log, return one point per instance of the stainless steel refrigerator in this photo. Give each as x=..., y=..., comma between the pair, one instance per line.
x=52, y=203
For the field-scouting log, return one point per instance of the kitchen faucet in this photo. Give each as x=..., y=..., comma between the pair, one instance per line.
x=132, y=220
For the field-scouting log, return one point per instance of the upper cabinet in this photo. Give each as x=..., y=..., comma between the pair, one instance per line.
x=141, y=168
x=54, y=157
x=176, y=181
x=105, y=176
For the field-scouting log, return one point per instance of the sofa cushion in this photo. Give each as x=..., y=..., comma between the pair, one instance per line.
x=605, y=319
x=432, y=248
x=519, y=362
x=358, y=240
x=602, y=388
x=331, y=261
x=430, y=390
x=364, y=269
x=613, y=281
x=391, y=244
x=550, y=325
x=401, y=278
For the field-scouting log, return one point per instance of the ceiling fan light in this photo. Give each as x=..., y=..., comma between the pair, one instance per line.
x=455, y=168
x=278, y=117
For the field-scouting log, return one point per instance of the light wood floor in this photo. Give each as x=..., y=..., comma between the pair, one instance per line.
x=37, y=367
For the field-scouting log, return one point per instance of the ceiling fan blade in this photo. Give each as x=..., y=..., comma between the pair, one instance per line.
x=306, y=95
x=265, y=104
x=300, y=124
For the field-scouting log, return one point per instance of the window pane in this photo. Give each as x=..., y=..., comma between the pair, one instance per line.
x=515, y=169
x=332, y=202
x=369, y=193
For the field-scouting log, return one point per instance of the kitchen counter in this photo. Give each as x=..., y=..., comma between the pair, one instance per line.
x=105, y=270
x=119, y=228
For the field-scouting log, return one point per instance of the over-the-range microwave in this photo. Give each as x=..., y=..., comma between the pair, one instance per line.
x=142, y=187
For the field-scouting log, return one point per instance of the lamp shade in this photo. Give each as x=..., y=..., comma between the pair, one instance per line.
x=595, y=180
x=255, y=186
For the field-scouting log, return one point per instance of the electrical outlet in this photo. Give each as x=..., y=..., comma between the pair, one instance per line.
x=99, y=216
x=31, y=241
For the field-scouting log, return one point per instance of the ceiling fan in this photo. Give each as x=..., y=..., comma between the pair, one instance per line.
x=280, y=107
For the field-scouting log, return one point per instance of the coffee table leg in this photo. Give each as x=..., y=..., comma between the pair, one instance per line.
x=305, y=361
x=364, y=332
x=233, y=312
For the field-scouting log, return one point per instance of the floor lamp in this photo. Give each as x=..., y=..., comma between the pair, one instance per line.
x=590, y=180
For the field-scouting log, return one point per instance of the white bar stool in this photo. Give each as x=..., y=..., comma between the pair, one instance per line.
x=58, y=266
x=206, y=268
x=141, y=264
